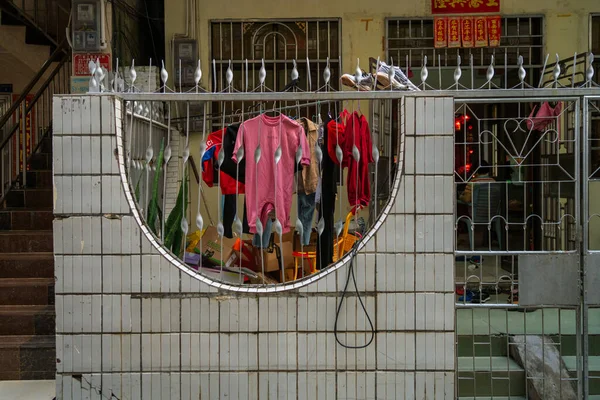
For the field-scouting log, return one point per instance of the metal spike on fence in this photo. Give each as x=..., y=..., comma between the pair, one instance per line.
x=299, y=227
x=294, y=74
x=424, y=72
x=262, y=73
x=326, y=76
x=229, y=77
x=556, y=71
x=164, y=75
x=590, y=72
x=490, y=70
x=198, y=75
x=321, y=226
x=132, y=75
x=457, y=72
x=522, y=73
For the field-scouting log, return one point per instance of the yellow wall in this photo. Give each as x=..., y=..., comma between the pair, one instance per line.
x=566, y=29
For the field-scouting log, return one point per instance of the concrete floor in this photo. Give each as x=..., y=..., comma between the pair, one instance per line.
x=27, y=390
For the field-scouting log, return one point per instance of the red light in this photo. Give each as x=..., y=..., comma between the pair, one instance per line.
x=466, y=117
x=467, y=167
x=470, y=151
x=457, y=125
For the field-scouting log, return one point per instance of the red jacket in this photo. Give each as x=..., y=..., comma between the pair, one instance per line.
x=358, y=134
x=214, y=143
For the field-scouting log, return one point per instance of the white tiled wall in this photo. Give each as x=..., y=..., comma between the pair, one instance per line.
x=131, y=324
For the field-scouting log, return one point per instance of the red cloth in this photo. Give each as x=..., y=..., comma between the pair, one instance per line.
x=214, y=143
x=544, y=117
x=358, y=134
x=336, y=131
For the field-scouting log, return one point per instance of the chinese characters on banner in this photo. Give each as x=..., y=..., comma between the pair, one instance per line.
x=453, y=32
x=464, y=6
x=493, y=25
x=26, y=126
x=467, y=31
x=440, y=32
x=481, y=38
x=466, y=25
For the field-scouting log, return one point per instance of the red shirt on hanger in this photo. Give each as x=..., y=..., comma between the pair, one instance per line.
x=214, y=143
x=358, y=134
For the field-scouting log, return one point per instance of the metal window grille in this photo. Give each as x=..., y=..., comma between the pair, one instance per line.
x=278, y=43
x=409, y=40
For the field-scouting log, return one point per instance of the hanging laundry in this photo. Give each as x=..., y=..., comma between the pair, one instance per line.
x=329, y=174
x=358, y=134
x=228, y=183
x=268, y=184
x=337, y=134
x=545, y=115
x=308, y=182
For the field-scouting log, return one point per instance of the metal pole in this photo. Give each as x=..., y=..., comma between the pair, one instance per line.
x=24, y=142
x=585, y=245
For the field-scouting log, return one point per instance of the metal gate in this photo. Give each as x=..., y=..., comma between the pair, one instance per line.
x=518, y=248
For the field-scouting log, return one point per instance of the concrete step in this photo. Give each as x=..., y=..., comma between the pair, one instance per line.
x=26, y=241
x=27, y=291
x=27, y=265
x=497, y=345
x=27, y=320
x=26, y=219
x=490, y=376
x=41, y=161
x=29, y=198
x=29, y=357
x=493, y=398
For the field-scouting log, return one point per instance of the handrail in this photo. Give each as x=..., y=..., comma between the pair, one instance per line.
x=31, y=103
x=32, y=116
x=33, y=82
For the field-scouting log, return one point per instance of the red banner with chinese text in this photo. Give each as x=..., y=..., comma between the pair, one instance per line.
x=440, y=32
x=481, y=37
x=464, y=6
x=26, y=130
x=494, y=30
x=453, y=32
x=467, y=32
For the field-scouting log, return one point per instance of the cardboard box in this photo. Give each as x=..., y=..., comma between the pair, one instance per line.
x=211, y=246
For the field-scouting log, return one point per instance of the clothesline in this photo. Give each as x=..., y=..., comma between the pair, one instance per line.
x=220, y=116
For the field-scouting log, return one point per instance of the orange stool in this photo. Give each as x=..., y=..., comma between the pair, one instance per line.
x=310, y=256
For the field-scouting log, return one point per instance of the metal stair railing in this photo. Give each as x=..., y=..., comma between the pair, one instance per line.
x=49, y=17
x=29, y=119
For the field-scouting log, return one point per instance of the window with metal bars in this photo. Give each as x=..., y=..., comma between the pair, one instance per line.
x=278, y=42
x=409, y=40
x=595, y=39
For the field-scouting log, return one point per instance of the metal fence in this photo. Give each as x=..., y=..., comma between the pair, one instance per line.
x=525, y=219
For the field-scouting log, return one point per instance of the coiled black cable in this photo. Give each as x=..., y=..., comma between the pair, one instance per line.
x=344, y=292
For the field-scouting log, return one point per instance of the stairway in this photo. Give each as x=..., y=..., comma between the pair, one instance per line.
x=486, y=371
x=27, y=317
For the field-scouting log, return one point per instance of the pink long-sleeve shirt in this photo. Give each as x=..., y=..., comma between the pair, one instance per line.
x=269, y=186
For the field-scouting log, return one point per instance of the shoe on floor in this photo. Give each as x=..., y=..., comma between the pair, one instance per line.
x=467, y=297
x=480, y=297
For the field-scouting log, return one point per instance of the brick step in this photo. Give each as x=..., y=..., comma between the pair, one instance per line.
x=46, y=145
x=26, y=241
x=40, y=161
x=27, y=291
x=26, y=219
x=27, y=320
x=30, y=357
x=27, y=265
x=29, y=198
x=39, y=179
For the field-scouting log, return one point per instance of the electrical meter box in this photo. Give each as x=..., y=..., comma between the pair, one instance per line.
x=186, y=52
x=87, y=23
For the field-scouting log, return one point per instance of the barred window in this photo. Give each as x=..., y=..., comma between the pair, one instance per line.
x=409, y=40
